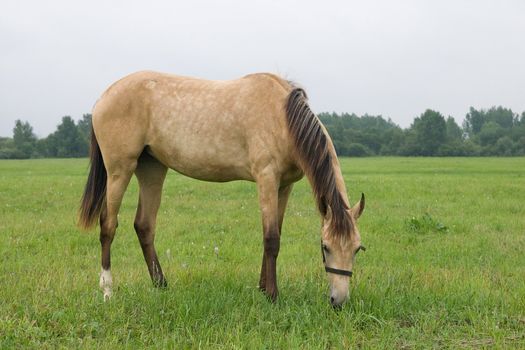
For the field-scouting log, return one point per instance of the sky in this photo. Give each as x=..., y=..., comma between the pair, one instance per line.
x=381, y=57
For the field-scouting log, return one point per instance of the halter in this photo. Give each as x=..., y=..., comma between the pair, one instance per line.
x=331, y=269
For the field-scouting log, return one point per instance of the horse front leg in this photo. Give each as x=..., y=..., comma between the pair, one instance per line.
x=268, y=201
x=283, y=195
x=262, y=278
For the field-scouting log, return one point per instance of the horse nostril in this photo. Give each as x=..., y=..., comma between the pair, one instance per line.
x=335, y=306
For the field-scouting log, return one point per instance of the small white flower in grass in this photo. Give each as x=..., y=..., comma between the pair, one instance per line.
x=216, y=251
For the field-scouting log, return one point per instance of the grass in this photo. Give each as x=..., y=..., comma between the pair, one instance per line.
x=444, y=266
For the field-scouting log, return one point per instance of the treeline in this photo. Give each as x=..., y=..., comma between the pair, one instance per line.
x=71, y=139
x=494, y=132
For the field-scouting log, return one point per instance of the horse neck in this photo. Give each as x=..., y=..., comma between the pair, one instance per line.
x=339, y=180
x=340, y=222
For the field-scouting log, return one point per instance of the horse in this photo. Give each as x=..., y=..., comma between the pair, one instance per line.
x=258, y=128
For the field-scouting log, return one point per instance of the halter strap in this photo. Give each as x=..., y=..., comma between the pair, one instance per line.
x=331, y=269
x=338, y=272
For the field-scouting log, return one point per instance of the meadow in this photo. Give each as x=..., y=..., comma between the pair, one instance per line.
x=444, y=265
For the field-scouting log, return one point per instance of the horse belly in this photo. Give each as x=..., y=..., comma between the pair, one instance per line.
x=203, y=159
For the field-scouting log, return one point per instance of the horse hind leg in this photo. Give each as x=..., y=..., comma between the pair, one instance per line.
x=150, y=174
x=117, y=182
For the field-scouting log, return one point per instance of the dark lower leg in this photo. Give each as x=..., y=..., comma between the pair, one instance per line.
x=271, y=251
x=146, y=237
x=107, y=233
x=106, y=238
x=105, y=244
x=155, y=271
x=262, y=279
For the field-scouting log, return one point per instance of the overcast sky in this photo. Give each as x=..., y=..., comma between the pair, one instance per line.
x=394, y=58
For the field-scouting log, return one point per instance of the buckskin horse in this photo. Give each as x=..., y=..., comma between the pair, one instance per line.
x=258, y=128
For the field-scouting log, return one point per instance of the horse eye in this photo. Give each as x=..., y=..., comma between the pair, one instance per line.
x=325, y=248
x=361, y=247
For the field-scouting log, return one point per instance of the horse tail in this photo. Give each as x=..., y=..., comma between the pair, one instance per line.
x=95, y=190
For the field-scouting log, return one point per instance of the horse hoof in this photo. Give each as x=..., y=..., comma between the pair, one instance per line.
x=161, y=284
x=272, y=295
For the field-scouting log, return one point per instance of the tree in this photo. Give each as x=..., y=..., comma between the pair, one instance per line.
x=7, y=148
x=454, y=132
x=84, y=127
x=504, y=146
x=430, y=132
x=47, y=147
x=366, y=135
x=67, y=140
x=474, y=120
x=410, y=146
x=502, y=116
x=24, y=139
x=490, y=133
x=392, y=140
x=358, y=150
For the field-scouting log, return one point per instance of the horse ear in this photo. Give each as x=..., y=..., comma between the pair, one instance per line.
x=358, y=208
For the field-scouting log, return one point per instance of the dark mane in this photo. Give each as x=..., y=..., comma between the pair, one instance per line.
x=316, y=160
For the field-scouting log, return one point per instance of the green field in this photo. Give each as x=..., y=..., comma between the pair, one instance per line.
x=444, y=268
